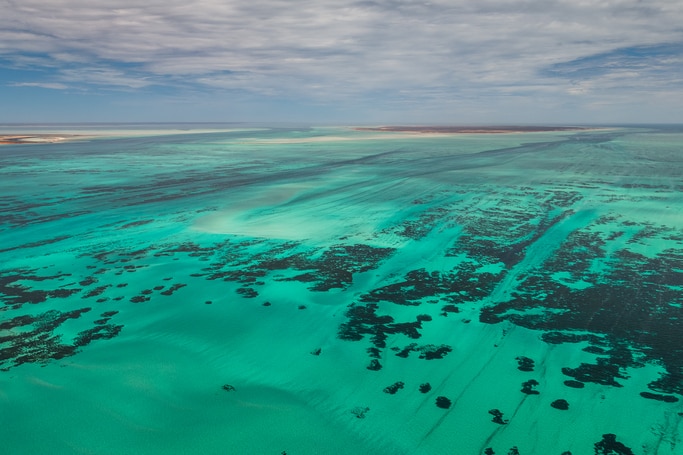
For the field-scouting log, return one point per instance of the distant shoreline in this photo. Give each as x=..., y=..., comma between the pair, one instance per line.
x=471, y=129
x=37, y=138
x=50, y=138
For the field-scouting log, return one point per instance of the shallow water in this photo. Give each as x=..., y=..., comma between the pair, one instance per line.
x=266, y=290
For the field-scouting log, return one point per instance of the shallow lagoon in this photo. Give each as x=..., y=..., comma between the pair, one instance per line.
x=293, y=290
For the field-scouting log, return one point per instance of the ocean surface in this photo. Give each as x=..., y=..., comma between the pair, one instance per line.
x=170, y=289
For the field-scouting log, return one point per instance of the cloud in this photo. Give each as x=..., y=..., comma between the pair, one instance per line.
x=639, y=69
x=105, y=76
x=50, y=85
x=331, y=50
x=658, y=58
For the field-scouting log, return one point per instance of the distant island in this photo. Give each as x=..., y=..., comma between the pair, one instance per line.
x=36, y=138
x=471, y=129
x=47, y=138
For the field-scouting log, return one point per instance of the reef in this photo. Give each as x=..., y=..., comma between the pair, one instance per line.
x=525, y=364
x=464, y=285
x=393, y=388
x=529, y=387
x=427, y=352
x=36, y=339
x=610, y=446
x=443, y=402
x=602, y=372
x=659, y=397
x=374, y=365
x=498, y=417
x=15, y=295
x=425, y=387
x=363, y=320
x=324, y=269
x=609, y=309
x=560, y=404
x=173, y=289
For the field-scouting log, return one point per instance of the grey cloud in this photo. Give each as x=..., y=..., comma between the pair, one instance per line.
x=317, y=47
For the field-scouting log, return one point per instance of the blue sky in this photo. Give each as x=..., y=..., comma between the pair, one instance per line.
x=342, y=62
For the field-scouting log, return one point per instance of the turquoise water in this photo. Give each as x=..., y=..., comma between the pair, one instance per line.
x=331, y=291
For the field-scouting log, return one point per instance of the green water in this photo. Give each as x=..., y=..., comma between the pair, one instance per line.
x=256, y=290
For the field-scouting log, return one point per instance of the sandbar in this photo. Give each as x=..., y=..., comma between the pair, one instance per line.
x=37, y=138
x=471, y=129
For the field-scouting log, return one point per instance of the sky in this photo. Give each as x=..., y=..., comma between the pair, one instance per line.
x=342, y=62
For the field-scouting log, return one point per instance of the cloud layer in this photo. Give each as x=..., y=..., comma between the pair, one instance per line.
x=401, y=52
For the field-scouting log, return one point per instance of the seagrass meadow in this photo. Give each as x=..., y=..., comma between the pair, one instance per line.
x=285, y=290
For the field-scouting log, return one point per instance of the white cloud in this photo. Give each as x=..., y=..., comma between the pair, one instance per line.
x=50, y=85
x=104, y=76
x=329, y=49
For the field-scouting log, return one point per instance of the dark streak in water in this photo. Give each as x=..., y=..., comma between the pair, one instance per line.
x=37, y=244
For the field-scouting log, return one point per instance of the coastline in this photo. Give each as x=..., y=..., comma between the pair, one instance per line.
x=76, y=132
x=14, y=138
x=7, y=139
x=471, y=129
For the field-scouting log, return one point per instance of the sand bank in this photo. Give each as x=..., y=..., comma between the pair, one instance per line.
x=37, y=138
x=471, y=129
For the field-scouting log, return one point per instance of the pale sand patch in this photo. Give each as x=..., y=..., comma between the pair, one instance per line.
x=39, y=138
x=390, y=132
x=502, y=129
x=66, y=136
x=307, y=140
